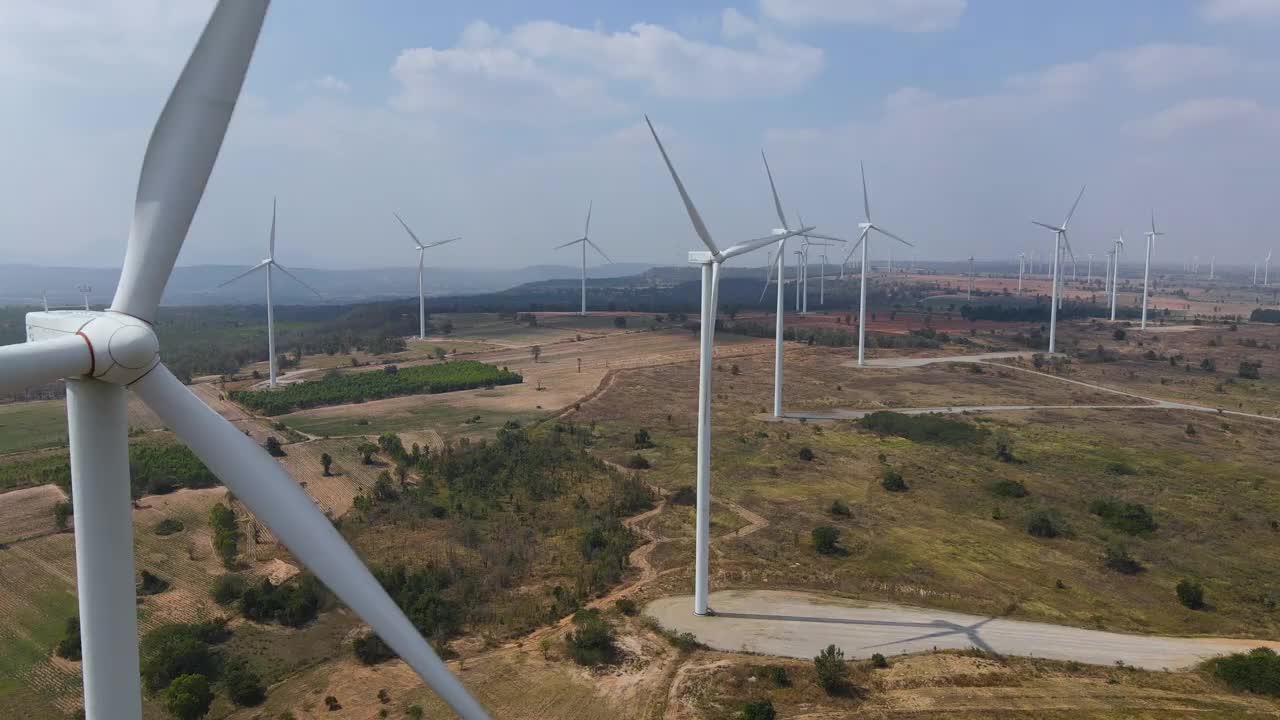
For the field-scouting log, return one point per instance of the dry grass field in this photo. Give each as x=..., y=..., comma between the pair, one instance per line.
x=28, y=512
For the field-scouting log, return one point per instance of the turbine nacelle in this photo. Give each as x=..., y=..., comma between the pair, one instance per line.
x=119, y=348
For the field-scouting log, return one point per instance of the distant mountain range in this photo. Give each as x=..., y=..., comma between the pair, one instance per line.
x=197, y=284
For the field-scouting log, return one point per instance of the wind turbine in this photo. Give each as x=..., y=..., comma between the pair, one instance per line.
x=584, y=241
x=1213, y=260
x=1089, y=280
x=103, y=352
x=422, y=251
x=1266, y=269
x=1106, y=279
x=1115, y=272
x=1059, y=241
x=1151, y=234
x=969, y=292
x=780, y=261
x=711, y=259
x=1022, y=262
x=84, y=292
x=864, y=239
x=270, y=264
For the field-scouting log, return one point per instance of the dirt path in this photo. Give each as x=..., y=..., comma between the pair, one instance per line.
x=795, y=624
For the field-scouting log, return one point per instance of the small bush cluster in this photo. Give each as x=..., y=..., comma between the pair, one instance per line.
x=1257, y=671
x=1126, y=517
x=591, y=640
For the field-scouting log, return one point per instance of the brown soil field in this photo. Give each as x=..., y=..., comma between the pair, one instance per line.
x=903, y=322
x=28, y=512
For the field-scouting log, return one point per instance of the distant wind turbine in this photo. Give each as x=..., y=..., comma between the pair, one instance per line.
x=270, y=264
x=584, y=241
x=1022, y=262
x=864, y=239
x=1151, y=234
x=1115, y=272
x=422, y=251
x=1059, y=241
x=1266, y=270
x=84, y=292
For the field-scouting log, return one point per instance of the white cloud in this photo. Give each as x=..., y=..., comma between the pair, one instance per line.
x=904, y=15
x=1154, y=66
x=330, y=83
x=1240, y=10
x=80, y=41
x=548, y=66
x=1196, y=114
x=734, y=24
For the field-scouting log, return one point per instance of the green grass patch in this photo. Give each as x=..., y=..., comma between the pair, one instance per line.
x=341, y=388
x=924, y=428
x=42, y=628
x=32, y=426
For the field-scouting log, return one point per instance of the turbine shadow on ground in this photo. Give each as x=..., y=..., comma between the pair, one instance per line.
x=947, y=628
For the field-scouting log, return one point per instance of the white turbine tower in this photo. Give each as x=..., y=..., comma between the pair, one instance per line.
x=1060, y=242
x=710, y=260
x=1089, y=279
x=1266, y=270
x=1151, y=234
x=969, y=291
x=780, y=261
x=584, y=241
x=1115, y=272
x=270, y=264
x=84, y=293
x=864, y=240
x=422, y=251
x=1022, y=263
x=104, y=352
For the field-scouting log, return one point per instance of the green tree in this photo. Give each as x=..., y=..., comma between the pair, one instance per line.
x=61, y=511
x=188, y=697
x=759, y=710
x=892, y=481
x=1043, y=524
x=326, y=461
x=591, y=641
x=826, y=539
x=366, y=450
x=535, y=351
x=1190, y=594
x=831, y=669
x=244, y=686
x=272, y=444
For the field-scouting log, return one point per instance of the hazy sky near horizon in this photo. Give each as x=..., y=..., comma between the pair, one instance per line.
x=499, y=120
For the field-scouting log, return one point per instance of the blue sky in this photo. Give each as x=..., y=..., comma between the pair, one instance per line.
x=500, y=120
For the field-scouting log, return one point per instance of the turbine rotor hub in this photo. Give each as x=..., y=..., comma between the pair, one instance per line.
x=122, y=347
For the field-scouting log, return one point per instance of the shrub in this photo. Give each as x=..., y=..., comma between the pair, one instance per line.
x=294, y=603
x=69, y=646
x=626, y=606
x=225, y=534
x=171, y=651
x=1257, y=671
x=642, y=440
x=272, y=444
x=1009, y=489
x=371, y=650
x=759, y=710
x=331, y=703
x=1250, y=370
x=591, y=642
x=1125, y=517
x=924, y=428
x=777, y=675
x=1117, y=557
x=169, y=526
x=638, y=462
x=151, y=584
x=1190, y=594
x=228, y=588
x=1119, y=334
x=806, y=454
x=878, y=661
x=826, y=539
x=1043, y=524
x=840, y=508
x=1208, y=365
x=683, y=495
x=1121, y=468
x=892, y=481
x=61, y=511
x=244, y=686
x=326, y=462
x=414, y=712
x=188, y=697
x=1003, y=446
x=831, y=669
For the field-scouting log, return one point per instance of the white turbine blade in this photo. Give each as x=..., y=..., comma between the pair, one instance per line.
x=586, y=232
x=275, y=498
x=416, y=242
x=861, y=238
x=694, y=217
x=1153, y=223
x=438, y=243
x=748, y=246
x=886, y=233
x=768, y=278
x=826, y=237
x=1067, y=246
x=1072, y=211
x=36, y=363
x=597, y=248
x=1046, y=226
x=271, y=244
x=182, y=151
x=296, y=279
x=777, y=204
x=259, y=266
x=866, y=201
x=571, y=242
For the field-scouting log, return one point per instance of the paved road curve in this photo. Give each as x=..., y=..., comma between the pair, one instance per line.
x=792, y=624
